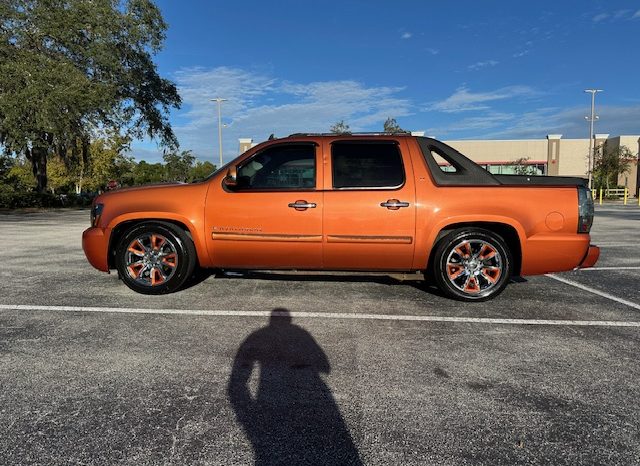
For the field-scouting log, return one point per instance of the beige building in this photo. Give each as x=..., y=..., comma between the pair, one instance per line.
x=550, y=156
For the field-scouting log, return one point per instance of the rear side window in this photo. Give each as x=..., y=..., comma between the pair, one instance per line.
x=366, y=165
x=286, y=167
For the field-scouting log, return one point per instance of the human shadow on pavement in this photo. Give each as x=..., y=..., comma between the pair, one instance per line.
x=293, y=418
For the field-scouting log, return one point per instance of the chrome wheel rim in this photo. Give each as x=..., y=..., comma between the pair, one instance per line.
x=474, y=267
x=151, y=259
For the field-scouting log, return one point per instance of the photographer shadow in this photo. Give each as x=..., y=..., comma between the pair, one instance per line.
x=293, y=418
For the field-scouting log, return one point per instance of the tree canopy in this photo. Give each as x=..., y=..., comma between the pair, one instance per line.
x=71, y=70
x=392, y=126
x=340, y=127
x=610, y=163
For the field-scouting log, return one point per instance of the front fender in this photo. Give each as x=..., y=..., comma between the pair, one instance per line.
x=194, y=226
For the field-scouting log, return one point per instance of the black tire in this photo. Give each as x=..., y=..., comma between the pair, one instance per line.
x=155, y=258
x=476, y=272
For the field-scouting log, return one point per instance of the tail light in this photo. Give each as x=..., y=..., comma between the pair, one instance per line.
x=585, y=209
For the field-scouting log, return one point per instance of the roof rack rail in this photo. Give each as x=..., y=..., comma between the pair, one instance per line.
x=372, y=133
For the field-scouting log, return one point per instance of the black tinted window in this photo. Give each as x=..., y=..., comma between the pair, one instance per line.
x=280, y=167
x=366, y=165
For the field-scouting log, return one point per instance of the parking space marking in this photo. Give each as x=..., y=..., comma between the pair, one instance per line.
x=326, y=315
x=610, y=268
x=594, y=291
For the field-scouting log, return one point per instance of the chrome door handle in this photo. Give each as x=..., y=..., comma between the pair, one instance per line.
x=394, y=204
x=302, y=205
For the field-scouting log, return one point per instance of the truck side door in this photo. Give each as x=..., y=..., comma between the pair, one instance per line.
x=273, y=217
x=369, y=205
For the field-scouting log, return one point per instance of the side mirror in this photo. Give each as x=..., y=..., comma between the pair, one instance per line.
x=231, y=180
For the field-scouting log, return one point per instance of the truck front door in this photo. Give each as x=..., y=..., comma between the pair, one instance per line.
x=273, y=217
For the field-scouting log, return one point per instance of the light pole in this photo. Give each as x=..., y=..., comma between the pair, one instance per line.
x=591, y=120
x=219, y=100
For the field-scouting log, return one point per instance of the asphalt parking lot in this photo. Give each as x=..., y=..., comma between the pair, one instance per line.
x=347, y=370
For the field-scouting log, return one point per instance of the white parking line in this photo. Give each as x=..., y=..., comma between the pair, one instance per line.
x=594, y=291
x=610, y=268
x=326, y=315
x=612, y=244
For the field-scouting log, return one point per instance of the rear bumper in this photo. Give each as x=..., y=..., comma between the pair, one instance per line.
x=549, y=253
x=593, y=253
x=95, y=243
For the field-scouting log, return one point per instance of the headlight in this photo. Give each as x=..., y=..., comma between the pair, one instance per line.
x=585, y=209
x=96, y=212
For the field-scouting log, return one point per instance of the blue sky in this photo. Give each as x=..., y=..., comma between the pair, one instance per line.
x=457, y=70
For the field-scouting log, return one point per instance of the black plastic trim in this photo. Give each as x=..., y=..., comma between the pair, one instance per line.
x=467, y=172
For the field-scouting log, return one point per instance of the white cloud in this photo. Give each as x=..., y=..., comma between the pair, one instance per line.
x=259, y=105
x=600, y=17
x=537, y=123
x=482, y=64
x=406, y=35
x=463, y=100
x=432, y=51
x=617, y=15
x=520, y=54
x=484, y=122
x=621, y=14
x=570, y=122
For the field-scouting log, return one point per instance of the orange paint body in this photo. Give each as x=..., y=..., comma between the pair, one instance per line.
x=347, y=229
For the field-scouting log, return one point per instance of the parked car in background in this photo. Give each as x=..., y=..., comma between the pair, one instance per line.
x=369, y=202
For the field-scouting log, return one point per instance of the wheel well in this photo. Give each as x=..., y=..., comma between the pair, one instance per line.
x=507, y=232
x=121, y=228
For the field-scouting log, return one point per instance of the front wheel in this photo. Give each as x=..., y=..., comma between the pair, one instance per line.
x=472, y=264
x=155, y=258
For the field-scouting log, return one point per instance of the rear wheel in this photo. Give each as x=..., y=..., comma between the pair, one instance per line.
x=472, y=264
x=155, y=258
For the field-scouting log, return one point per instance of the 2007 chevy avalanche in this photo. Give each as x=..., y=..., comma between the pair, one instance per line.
x=375, y=202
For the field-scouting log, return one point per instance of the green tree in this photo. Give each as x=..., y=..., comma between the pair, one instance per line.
x=57, y=175
x=522, y=167
x=610, y=163
x=107, y=161
x=201, y=170
x=178, y=165
x=340, y=128
x=391, y=126
x=71, y=68
x=6, y=162
x=20, y=176
x=145, y=173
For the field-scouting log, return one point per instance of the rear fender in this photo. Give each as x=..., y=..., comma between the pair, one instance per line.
x=448, y=223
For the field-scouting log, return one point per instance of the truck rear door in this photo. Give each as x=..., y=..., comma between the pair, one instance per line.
x=369, y=205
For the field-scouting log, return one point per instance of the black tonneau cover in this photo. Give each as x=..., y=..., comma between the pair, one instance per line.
x=535, y=180
x=468, y=173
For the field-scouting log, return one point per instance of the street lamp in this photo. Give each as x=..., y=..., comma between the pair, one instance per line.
x=219, y=100
x=591, y=120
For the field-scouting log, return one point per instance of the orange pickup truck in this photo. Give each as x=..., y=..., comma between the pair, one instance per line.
x=366, y=202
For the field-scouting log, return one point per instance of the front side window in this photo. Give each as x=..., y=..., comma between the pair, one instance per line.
x=291, y=166
x=366, y=165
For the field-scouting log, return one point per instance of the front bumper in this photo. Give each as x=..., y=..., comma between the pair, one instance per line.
x=95, y=243
x=593, y=253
